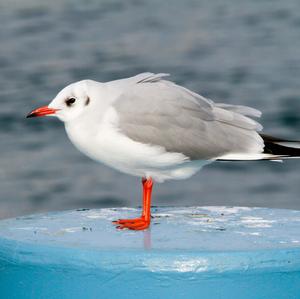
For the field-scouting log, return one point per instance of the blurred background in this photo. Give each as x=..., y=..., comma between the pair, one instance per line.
x=238, y=52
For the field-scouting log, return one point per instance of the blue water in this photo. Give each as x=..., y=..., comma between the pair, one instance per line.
x=232, y=51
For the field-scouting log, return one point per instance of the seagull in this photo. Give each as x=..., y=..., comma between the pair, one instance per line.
x=150, y=127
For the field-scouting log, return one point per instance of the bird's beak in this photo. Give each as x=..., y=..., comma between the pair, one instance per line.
x=42, y=111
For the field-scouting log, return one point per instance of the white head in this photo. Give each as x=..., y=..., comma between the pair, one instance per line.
x=71, y=102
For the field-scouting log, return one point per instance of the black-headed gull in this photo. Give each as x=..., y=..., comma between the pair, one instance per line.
x=149, y=127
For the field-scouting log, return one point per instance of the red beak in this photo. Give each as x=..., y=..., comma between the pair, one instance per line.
x=42, y=111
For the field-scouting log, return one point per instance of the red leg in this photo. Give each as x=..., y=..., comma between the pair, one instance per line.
x=142, y=222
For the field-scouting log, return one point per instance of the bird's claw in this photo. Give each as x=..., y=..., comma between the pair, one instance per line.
x=132, y=224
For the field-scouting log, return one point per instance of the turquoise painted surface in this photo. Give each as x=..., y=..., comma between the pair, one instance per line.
x=40, y=282
x=207, y=252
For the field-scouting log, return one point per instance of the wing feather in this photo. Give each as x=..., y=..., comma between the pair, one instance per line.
x=159, y=112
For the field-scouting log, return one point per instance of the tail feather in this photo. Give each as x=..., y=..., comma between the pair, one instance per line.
x=281, y=147
x=275, y=149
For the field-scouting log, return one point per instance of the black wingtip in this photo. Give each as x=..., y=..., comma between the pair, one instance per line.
x=274, y=146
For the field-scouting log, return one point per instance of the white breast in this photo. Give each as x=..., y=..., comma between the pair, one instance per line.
x=104, y=143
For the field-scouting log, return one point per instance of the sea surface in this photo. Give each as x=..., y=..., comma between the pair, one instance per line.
x=237, y=52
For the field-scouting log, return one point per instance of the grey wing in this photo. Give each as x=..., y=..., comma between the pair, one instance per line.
x=161, y=113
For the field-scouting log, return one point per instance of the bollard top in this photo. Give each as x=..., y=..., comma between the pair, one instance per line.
x=204, y=238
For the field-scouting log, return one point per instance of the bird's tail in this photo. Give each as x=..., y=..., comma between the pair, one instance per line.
x=275, y=149
x=281, y=148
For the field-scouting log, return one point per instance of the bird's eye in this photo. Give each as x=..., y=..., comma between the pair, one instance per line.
x=70, y=101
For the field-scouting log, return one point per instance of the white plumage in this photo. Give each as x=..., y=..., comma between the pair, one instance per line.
x=150, y=127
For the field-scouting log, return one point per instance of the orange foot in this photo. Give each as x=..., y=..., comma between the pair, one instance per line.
x=133, y=224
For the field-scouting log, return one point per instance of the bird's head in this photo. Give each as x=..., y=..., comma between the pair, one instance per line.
x=70, y=103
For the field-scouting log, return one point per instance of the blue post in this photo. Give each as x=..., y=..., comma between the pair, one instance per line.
x=197, y=252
